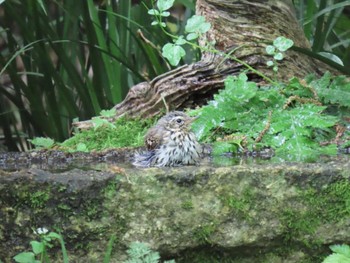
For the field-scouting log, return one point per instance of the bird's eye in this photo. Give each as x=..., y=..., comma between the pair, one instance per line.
x=179, y=121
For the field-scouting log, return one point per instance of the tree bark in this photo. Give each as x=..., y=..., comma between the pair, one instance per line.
x=244, y=28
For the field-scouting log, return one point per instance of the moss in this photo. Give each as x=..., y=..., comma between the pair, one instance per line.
x=202, y=234
x=106, y=137
x=240, y=204
x=38, y=199
x=187, y=205
x=322, y=206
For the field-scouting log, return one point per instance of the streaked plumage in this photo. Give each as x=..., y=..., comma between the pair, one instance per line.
x=170, y=143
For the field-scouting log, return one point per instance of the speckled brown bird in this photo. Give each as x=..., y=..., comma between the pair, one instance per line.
x=170, y=143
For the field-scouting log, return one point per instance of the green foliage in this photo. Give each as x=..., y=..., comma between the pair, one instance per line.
x=122, y=133
x=76, y=59
x=141, y=253
x=289, y=118
x=326, y=25
x=280, y=44
x=196, y=26
x=40, y=249
x=341, y=254
x=202, y=234
x=41, y=142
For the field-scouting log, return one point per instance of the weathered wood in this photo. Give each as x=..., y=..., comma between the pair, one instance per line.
x=244, y=27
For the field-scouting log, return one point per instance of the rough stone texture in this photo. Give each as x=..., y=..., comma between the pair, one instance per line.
x=249, y=213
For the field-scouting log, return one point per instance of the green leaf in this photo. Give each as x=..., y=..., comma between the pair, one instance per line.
x=333, y=92
x=25, y=257
x=191, y=36
x=164, y=4
x=240, y=89
x=278, y=56
x=165, y=14
x=336, y=258
x=270, y=50
x=283, y=44
x=180, y=41
x=81, y=147
x=108, y=113
x=341, y=249
x=153, y=12
x=37, y=247
x=54, y=235
x=173, y=53
x=197, y=24
x=41, y=142
x=99, y=122
x=270, y=63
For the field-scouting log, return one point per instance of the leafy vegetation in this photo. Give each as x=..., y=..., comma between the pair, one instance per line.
x=326, y=26
x=67, y=60
x=341, y=254
x=141, y=253
x=293, y=119
x=40, y=248
x=138, y=252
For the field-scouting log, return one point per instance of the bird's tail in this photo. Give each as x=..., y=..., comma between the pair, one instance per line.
x=143, y=159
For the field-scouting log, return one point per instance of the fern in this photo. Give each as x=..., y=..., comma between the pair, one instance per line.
x=288, y=118
x=141, y=253
x=341, y=254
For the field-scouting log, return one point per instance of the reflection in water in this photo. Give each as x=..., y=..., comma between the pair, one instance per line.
x=112, y=164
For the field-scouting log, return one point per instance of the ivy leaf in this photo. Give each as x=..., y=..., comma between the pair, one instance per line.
x=191, y=36
x=270, y=50
x=197, y=24
x=278, y=56
x=180, y=41
x=164, y=4
x=173, y=53
x=282, y=43
x=269, y=63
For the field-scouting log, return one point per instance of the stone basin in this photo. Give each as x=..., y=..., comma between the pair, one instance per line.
x=248, y=212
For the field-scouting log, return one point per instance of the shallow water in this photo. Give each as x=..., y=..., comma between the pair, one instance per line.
x=56, y=161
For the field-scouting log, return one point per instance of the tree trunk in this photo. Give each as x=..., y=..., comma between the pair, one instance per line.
x=241, y=27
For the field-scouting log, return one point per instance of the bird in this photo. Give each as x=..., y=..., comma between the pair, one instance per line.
x=170, y=143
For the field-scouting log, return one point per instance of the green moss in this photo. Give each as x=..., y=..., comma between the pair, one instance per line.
x=111, y=188
x=187, y=205
x=202, y=234
x=322, y=206
x=124, y=133
x=240, y=204
x=38, y=199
